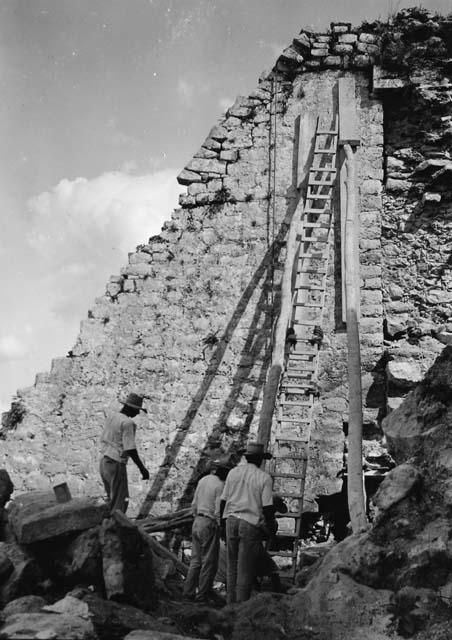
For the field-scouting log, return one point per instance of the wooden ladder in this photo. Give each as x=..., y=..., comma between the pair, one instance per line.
x=298, y=389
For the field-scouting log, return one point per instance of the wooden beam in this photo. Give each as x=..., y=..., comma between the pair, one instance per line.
x=355, y=490
x=307, y=123
x=348, y=122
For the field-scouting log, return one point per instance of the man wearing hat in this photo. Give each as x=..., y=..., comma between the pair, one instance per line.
x=246, y=501
x=206, y=531
x=117, y=446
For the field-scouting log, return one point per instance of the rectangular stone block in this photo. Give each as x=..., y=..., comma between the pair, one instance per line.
x=347, y=38
x=319, y=53
x=37, y=516
x=201, y=165
x=342, y=49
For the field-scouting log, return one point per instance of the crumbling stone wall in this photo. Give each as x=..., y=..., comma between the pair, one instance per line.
x=188, y=320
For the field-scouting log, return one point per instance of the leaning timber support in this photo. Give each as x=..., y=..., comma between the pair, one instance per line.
x=356, y=500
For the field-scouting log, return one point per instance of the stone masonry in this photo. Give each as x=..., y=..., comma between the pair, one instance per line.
x=188, y=321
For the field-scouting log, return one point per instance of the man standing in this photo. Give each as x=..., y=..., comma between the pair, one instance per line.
x=117, y=445
x=246, y=501
x=206, y=531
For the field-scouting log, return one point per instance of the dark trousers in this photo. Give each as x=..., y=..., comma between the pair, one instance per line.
x=204, y=557
x=244, y=546
x=114, y=477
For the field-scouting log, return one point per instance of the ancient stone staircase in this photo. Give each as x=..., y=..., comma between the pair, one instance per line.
x=298, y=387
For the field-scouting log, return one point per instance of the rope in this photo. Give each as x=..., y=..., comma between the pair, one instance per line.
x=273, y=188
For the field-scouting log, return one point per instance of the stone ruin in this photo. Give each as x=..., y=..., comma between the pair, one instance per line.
x=188, y=322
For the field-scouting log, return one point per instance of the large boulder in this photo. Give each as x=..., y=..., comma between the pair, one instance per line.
x=420, y=425
x=113, y=620
x=127, y=562
x=397, y=484
x=37, y=516
x=47, y=625
x=6, y=566
x=25, y=604
x=404, y=374
x=25, y=579
x=85, y=559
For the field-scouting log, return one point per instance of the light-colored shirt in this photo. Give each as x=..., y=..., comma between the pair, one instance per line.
x=247, y=491
x=118, y=436
x=206, y=500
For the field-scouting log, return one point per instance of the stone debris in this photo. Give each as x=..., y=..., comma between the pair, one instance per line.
x=397, y=484
x=127, y=562
x=211, y=273
x=156, y=635
x=47, y=626
x=37, y=516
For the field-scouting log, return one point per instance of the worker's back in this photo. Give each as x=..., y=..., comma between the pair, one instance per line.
x=247, y=490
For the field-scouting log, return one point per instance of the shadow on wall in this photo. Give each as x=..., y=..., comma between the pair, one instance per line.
x=256, y=342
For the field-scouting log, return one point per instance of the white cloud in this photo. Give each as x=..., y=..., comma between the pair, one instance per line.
x=82, y=231
x=12, y=348
x=81, y=222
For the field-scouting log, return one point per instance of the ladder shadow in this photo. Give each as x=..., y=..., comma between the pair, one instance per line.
x=253, y=346
x=255, y=343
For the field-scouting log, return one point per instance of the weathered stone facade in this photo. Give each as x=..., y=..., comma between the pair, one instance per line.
x=188, y=321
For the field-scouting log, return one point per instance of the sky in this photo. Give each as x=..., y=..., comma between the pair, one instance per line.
x=102, y=104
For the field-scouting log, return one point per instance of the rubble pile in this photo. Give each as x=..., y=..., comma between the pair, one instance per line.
x=397, y=576
x=70, y=570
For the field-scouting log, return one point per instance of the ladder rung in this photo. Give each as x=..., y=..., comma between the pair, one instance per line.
x=289, y=439
x=292, y=389
x=325, y=169
x=287, y=403
x=313, y=255
x=317, y=210
x=306, y=323
x=294, y=420
x=286, y=534
x=309, y=305
x=320, y=272
x=325, y=132
x=292, y=514
x=282, y=554
x=315, y=225
x=331, y=151
x=311, y=287
x=290, y=373
x=322, y=183
x=318, y=196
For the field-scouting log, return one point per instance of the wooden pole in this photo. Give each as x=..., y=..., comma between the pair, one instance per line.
x=356, y=501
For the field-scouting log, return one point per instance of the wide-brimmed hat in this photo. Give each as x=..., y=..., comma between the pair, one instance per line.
x=256, y=449
x=135, y=401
